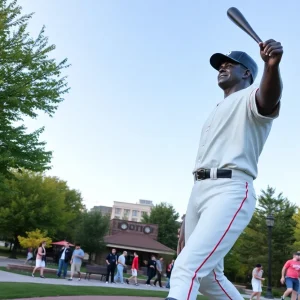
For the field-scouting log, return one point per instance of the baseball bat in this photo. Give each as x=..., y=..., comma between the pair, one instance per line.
x=237, y=17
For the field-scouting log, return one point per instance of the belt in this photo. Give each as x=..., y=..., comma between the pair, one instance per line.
x=202, y=174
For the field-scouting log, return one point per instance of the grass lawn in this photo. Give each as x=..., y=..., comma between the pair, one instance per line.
x=13, y=290
x=28, y=273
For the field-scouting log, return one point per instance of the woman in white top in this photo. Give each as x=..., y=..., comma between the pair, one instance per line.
x=40, y=260
x=257, y=281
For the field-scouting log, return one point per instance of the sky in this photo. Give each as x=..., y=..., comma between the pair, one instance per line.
x=142, y=87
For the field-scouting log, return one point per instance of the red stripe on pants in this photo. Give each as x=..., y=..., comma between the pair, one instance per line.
x=219, y=242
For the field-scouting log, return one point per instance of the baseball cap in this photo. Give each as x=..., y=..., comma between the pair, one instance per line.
x=239, y=57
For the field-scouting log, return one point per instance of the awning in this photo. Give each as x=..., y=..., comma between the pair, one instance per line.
x=62, y=243
x=137, y=242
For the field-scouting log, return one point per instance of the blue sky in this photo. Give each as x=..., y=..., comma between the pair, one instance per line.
x=142, y=87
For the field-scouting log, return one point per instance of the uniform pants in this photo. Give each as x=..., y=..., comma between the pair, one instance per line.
x=151, y=274
x=218, y=212
x=111, y=272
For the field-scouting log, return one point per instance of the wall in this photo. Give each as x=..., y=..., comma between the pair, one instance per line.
x=125, y=211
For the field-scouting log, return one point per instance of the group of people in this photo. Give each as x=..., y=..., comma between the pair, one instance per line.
x=114, y=262
x=290, y=276
x=154, y=266
x=66, y=256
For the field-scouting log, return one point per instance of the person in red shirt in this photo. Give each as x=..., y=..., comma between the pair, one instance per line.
x=134, y=269
x=290, y=276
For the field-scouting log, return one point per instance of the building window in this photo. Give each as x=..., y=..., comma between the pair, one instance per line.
x=117, y=211
x=126, y=212
x=135, y=213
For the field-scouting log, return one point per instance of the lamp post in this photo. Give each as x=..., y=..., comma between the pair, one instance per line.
x=270, y=224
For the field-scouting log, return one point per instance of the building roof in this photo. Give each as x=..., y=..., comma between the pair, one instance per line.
x=137, y=242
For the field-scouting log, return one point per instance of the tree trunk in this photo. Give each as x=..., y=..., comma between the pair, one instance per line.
x=13, y=253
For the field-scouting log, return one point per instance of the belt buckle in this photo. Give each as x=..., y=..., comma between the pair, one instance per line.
x=200, y=174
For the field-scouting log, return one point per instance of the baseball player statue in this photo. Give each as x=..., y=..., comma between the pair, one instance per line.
x=223, y=199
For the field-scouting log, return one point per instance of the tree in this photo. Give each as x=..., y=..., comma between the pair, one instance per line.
x=252, y=246
x=91, y=229
x=296, y=218
x=34, y=238
x=31, y=82
x=166, y=217
x=73, y=210
x=32, y=201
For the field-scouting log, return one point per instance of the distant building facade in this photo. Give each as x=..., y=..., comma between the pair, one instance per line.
x=133, y=237
x=131, y=211
x=105, y=210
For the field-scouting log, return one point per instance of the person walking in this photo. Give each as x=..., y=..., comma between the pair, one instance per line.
x=120, y=267
x=111, y=261
x=76, y=262
x=257, y=282
x=40, y=261
x=65, y=256
x=151, y=269
x=169, y=271
x=290, y=276
x=29, y=255
x=134, y=269
x=159, y=268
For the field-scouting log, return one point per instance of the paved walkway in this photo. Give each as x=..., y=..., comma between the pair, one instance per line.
x=92, y=298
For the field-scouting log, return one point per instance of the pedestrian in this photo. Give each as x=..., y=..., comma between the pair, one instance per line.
x=40, y=261
x=65, y=255
x=151, y=269
x=290, y=276
x=111, y=261
x=169, y=272
x=257, y=282
x=120, y=267
x=223, y=198
x=76, y=261
x=134, y=269
x=159, y=268
x=29, y=255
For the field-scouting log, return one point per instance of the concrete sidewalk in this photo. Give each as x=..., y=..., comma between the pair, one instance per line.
x=93, y=298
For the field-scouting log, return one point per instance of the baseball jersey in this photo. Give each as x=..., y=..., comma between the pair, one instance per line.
x=292, y=268
x=234, y=134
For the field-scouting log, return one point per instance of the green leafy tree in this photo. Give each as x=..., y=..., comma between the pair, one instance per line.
x=166, y=217
x=32, y=201
x=73, y=210
x=296, y=218
x=90, y=232
x=253, y=243
x=31, y=82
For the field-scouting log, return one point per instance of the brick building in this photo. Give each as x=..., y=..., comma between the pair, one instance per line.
x=133, y=236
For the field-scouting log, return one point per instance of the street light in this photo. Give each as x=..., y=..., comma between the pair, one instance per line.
x=270, y=224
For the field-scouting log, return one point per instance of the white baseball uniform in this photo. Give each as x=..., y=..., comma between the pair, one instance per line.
x=220, y=209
